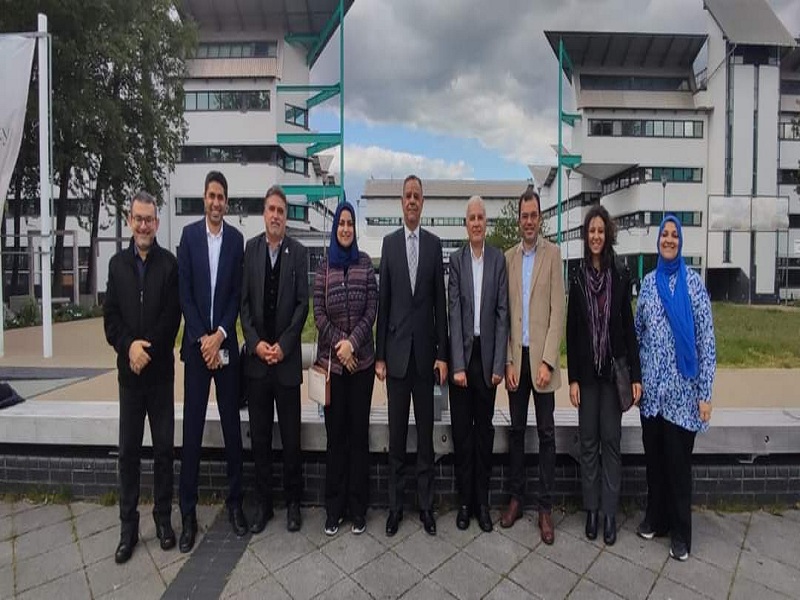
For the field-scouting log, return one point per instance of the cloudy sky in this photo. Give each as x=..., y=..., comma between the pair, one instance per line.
x=468, y=88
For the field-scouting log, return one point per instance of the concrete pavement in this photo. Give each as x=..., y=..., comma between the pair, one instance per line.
x=66, y=551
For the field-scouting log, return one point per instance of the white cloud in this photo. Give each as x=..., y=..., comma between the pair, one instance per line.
x=363, y=162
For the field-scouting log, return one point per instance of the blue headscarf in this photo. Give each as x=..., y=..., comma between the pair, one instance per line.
x=677, y=305
x=339, y=256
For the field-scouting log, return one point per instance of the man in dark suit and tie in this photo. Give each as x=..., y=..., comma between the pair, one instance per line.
x=274, y=310
x=210, y=283
x=478, y=299
x=411, y=345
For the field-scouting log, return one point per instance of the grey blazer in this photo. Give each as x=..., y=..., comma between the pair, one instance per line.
x=291, y=311
x=494, y=311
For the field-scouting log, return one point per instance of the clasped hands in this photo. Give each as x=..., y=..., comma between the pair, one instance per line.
x=138, y=358
x=271, y=354
x=209, y=348
x=346, y=354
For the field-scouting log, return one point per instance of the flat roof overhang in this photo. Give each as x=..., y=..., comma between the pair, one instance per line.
x=627, y=50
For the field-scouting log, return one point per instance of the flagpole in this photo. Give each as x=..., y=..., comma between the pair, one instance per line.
x=44, y=186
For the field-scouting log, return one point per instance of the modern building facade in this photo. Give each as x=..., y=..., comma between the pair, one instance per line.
x=247, y=100
x=696, y=125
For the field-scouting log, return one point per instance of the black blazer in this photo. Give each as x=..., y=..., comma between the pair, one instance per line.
x=291, y=310
x=150, y=312
x=405, y=319
x=580, y=363
x=195, y=286
x=494, y=311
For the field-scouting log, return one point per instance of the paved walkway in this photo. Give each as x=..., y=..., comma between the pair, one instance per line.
x=81, y=344
x=66, y=552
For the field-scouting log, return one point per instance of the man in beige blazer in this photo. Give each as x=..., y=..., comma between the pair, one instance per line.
x=536, y=302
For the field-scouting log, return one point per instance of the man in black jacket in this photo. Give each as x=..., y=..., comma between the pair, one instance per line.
x=141, y=315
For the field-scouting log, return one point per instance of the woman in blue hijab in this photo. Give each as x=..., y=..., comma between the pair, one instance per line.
x=678, y=357
x=345, y=306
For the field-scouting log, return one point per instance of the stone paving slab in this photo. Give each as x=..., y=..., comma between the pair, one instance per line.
x=735, y=556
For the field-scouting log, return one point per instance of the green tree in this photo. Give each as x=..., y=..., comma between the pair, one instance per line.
x=505, y=231
x=117, y=73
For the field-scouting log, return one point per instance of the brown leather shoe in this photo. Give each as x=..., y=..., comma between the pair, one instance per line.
x=546, y=527
x=511, y=514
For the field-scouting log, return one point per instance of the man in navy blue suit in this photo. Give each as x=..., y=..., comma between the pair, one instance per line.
x=210, y=281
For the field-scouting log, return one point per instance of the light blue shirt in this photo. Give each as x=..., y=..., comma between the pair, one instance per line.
x=214, y=250
x=528, y=260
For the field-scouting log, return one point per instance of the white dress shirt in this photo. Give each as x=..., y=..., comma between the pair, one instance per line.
x=214, y=250
x=477, y=287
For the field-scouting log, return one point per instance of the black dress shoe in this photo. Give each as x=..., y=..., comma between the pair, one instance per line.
x=188, y=533
x=609, y=530
x=263, y=516
x=237, y=520
x=484, y=518
x=294, y=521
x=127, y=540
x=462, y=518
x=393, y=522
x=591, y=524
x=428, y=522
x=164, y=532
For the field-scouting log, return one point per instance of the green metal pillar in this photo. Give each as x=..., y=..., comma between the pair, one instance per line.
x=560, y=135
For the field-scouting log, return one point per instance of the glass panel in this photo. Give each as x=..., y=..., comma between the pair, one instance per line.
x=190, y=101
x=236, y=51
x=247, y=50
x=669, y=128
x=688, y=129
x=224, y=51
x=213, y=51
x=202, y=51
x=698, y=129
x=214, y=100
x=617, y=128
x=648, y=128
x=202, y=100
x=658, y=128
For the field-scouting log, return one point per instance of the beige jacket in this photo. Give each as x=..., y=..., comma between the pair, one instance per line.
x=546, y=310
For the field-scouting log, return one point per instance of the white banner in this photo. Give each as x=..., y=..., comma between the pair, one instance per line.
x=16, y=56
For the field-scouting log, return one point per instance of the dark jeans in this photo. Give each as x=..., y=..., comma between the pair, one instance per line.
x=196, y=385
x=600, y=427
x=263, y=393
x=347, y=428
x=668, y=456
x=471, y=412
x=544, y=405
x=158, y=403
x=400, y=390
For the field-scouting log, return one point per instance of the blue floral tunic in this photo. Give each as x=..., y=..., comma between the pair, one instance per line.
x=664, y=389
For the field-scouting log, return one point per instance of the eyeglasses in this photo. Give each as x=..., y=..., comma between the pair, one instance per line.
x=139, y=220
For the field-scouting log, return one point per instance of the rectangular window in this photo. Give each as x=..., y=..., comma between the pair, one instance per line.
x=658, y=129
x=190, y=101
x=202, y=101
x=726, y=247
x=668, y=128
x=688, y=129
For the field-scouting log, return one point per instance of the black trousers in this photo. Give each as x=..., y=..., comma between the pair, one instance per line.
x=158, y=403
x=347, y=458
x=600, y=429
x=668, y=458
x=400, y=390
x=196, y=385
x=471, y=412
x=544, y=405
x=264, y=394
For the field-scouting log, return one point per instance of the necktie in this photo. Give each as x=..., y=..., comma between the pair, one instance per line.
x=413, y=259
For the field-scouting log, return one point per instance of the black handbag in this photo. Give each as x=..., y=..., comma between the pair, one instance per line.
x=622, y=381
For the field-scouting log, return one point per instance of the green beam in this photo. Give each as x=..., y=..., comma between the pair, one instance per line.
x=326, y=32
x=571, y=160
x=319, y=147
x=314, y=193
x=301, y=38
x=323, y=95
x=309, y=138
x=570, y=118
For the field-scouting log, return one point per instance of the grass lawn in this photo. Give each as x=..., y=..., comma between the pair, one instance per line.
x=747, y=336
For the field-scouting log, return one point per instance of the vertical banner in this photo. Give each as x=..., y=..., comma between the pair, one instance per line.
x=16, y=57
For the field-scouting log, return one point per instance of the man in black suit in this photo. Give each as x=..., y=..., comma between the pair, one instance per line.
x=274, y=310
x=210, y=282
x=478, y=299
x=411, y=346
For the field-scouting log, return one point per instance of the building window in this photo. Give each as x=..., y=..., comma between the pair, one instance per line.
x=639, y=175
x=790, y=87
x=237, y=50
x=789, y=130
x=297, y=116
x=273, y=155
x=245, y=206
x=226, y=101
x=726, y=246
x=384, y=221
x=645, y=128
x=634, y=83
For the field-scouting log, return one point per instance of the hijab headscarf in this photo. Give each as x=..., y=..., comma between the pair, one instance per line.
x=338, y=255
x=677, y=304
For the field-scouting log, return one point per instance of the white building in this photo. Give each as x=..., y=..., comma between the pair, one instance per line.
x=697, y=125
x=443, y=213
x=247, y=99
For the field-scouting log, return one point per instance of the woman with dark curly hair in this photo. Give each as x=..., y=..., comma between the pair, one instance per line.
x=600, y=331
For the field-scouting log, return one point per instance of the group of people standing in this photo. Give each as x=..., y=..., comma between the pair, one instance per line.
x=505, y=318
